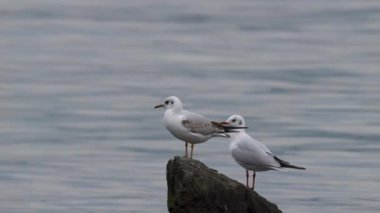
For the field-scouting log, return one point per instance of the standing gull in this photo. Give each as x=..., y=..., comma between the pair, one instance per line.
x=190, y=127
x=251, y=154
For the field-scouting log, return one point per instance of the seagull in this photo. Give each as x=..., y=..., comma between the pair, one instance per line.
x=251, y=154
x=191, y=127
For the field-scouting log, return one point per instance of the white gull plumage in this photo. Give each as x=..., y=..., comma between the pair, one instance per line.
x=251, y=154
x=190, y=127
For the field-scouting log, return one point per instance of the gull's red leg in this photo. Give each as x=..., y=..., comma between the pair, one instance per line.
x=191, y=152
x=186, y=150
x=247, y=176
x=253, y=180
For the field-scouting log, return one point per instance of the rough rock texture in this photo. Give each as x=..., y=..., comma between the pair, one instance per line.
x=193, y=187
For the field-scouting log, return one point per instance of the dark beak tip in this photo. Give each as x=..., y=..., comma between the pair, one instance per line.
x=158, y=106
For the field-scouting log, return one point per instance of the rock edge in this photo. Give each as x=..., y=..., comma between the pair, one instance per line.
x=193, y=187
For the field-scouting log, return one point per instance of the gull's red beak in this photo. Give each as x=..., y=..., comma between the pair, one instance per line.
x=158, y=106
x=224, y=123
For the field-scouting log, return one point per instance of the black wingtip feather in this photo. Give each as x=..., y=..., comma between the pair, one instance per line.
x=287, y=164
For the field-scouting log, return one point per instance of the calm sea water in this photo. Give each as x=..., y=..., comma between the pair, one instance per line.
x=79, y=79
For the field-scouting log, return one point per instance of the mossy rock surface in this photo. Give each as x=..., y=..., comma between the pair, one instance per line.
x=193, y=187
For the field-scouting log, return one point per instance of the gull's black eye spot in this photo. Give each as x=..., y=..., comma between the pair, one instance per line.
x=233, y=120
x=172, y=102
x=240, y=123
x=166, y=102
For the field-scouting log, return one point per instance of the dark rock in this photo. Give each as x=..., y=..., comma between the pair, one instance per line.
x=193, y=187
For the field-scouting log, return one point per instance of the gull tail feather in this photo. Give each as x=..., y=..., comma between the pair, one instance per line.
x=285, y=164
x=278, y=168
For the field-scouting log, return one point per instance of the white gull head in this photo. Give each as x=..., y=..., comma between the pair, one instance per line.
x=236, y=121
x=171, y=102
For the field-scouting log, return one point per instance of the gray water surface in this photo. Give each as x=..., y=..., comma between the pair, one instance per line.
x=79, y=79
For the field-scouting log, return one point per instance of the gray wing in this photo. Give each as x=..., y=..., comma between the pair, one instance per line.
x=252, y=152
x=198, y=124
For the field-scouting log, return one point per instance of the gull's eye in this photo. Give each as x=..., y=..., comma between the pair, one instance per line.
x=240, y=123
x=166, y=102
x=172, y=102
x=233, y=120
